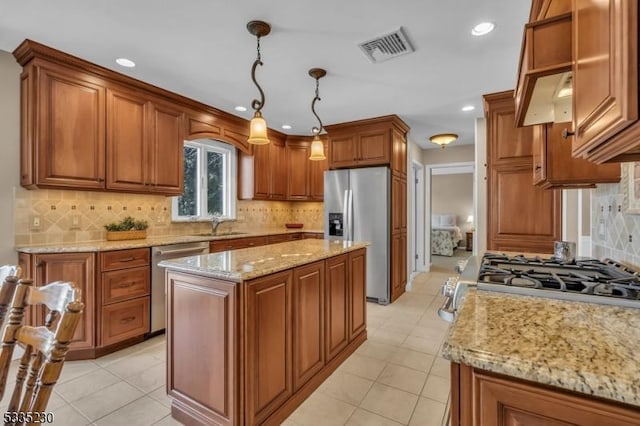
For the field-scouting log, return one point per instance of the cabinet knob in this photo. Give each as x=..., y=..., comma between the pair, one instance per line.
x=100, y=180
x=538, y=167
x=39, y=264
x=566, y=133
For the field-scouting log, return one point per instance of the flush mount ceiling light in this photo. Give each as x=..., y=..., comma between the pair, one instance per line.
x=443, y=139
x=240, y=108
x=317, y=147
x=467, y=108
x=124, y=62
x=258, y=127
x=483, y=28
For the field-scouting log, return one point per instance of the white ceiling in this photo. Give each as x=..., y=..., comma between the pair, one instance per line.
x=201, y=49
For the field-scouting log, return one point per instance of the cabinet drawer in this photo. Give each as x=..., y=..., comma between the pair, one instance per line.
x=120, y=259
x=281, y=238
x=239, y=243
x=125, y=284
x=124, y=320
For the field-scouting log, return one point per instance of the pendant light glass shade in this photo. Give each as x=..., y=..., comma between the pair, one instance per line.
x=317, y=149
x=258, y=130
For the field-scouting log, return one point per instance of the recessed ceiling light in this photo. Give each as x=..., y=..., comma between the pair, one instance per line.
x=483, y=28
x=240, y=108
x=286, y=126
x=468, y=108
x=124, y=62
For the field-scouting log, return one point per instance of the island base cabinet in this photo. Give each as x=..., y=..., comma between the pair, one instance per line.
x=487, y=399
x=202, y=349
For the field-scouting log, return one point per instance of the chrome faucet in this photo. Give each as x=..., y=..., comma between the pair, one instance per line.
x=216, y=221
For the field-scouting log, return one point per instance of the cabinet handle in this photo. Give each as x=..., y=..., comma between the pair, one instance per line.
x=538, y=167
x=126, y=285
x=127, y=259
x=40, y=264
x=566, y=133
x=252, y=244
x=127, y=320
x=100, y=180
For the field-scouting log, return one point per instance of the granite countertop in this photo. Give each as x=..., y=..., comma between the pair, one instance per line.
x=245, y=264
x=92, y=246
x=582, y=347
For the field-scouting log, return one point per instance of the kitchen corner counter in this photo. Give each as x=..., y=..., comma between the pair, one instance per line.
x=582, y=347
x=96, y=246
x=245, y=264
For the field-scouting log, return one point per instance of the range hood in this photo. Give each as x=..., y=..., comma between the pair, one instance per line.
x=544, y=90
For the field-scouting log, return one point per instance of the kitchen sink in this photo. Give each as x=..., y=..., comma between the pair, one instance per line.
x=219, y=234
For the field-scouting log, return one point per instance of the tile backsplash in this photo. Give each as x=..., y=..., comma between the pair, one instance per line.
x=614, y=234
x=80, y=216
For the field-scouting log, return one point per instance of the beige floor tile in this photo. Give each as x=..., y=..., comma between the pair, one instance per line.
x=346, y=387
x=149, y=379
x=413, y=359
x=320, y=409
x=428, y=333
x=362, y=417
x=363, y=366
x=429, y=346
x=403, y=378
x=103, y=402
x=436, y=388
x=390, y=402
x=82, y=386
x=441, y=368
x=386, y=336
x=160, y=395
x=132, y=365
x=398, y=327
x=103, y=361
x=375, y=349
x=428, y=413
x=168, y=421
x=68, y=416
x=73, y=369
x=141, y=412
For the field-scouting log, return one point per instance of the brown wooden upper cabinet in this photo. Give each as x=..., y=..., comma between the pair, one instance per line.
x=373, y=142
x=605, y=80
x=144, y=144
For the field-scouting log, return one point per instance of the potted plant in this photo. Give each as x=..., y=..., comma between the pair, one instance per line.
x=127, y=229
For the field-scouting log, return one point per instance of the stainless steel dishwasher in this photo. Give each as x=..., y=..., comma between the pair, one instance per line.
x=158, y=290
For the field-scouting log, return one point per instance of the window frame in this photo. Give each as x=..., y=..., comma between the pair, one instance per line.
x=230, y=155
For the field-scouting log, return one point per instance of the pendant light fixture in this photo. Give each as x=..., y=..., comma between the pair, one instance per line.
x=258, y=127
x=443, y=139
x=317, y=147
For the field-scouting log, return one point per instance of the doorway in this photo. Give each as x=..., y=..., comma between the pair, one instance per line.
x=450, y=203
x=416, y=242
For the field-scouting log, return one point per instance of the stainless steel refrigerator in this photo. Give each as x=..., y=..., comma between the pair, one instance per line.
x=356, y=207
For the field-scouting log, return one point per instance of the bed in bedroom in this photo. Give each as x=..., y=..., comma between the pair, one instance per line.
x=445, y=234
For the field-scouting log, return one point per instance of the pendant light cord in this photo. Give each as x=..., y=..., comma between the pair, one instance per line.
x=316, y=130
x=257, y=104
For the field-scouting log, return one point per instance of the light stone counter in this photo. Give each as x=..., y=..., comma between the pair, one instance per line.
x=583, y=347
x=93, y=246
x=245, y=264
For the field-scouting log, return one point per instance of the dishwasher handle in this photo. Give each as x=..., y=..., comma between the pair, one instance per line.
x=202, y=250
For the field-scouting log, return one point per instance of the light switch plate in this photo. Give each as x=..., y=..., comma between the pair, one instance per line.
x=75, y=221
x=35, y=222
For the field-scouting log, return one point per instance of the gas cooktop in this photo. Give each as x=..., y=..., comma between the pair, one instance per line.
x=589, y=280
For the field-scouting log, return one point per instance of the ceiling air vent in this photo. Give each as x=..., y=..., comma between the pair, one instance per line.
x=387, y=47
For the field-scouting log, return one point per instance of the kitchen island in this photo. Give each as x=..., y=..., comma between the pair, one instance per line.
x=253, y=332
x=530, y=360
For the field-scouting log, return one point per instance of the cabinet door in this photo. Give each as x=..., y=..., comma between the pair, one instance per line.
x=316, y=181
x=605, y=70
x=268, y=345
x=308, y=322
x=298, y=171
x=166, y=147
x=127, y=150
x=261, y=172
x=373, y=148
x=278, y=170
x=342, y=151
x=398, y=264
x=398, y=204
x=336, y=306
x=70, y=130
x=399, y=155
x=78, y=268
x=357, y=292
x=506, y=144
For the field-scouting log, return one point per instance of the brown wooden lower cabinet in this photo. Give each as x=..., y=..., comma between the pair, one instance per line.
x=487, y=399
x=249, y=353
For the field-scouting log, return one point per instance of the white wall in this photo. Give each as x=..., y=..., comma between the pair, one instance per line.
x=415, y=231
x=10, y=142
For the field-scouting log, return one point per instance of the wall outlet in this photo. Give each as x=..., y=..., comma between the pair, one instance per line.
x=35, y=222
x=75, y=221
x=160, y=219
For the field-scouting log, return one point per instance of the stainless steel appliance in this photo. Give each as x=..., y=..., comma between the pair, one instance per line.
x=356, y=208
x=158, y=289
x=585, y=280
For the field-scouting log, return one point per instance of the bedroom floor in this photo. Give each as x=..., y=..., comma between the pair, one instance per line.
x=447, y=263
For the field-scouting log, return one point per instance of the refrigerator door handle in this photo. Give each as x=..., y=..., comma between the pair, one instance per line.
x=345, y=215
x=350, y=213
